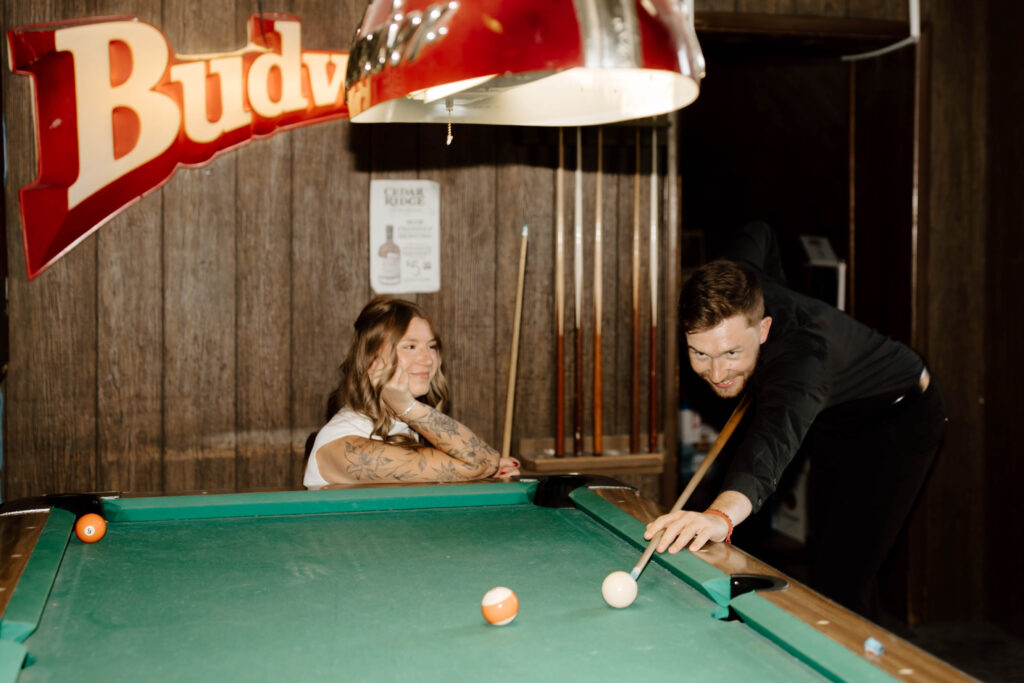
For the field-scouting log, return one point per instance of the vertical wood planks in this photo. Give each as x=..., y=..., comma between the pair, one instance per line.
x=129, y=334
x=1005, y=276
x=264, y=312
x=525, y=178
x=821, y=8
x=765, y=6
x=612, y=381
x=957, y=300
x=701, y=6
x=330, y=214
x=200, y=285
x=50, y=392
x=464, y=309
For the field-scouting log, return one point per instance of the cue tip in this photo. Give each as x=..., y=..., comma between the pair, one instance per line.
x=526, y=229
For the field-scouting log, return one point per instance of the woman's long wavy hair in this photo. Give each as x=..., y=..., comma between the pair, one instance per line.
x=378, y=329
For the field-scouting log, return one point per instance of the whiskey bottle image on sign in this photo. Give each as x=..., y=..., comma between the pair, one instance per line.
x=390, y=259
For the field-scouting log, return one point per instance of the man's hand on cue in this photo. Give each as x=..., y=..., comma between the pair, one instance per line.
x=687, y=527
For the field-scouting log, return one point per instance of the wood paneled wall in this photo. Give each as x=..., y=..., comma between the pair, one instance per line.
x=1004, y=470
x=191, y=342
x=952, y=585
x=872, y=9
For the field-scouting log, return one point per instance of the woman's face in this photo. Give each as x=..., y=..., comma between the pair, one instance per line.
x=418, y=356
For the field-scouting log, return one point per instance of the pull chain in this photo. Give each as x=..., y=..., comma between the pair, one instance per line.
x=448, y=107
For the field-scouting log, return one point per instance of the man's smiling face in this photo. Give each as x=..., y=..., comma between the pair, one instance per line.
x=725, y=355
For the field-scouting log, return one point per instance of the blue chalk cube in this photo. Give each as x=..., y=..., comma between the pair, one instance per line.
x=873, y=646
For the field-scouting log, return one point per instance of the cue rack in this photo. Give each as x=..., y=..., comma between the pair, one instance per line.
x=644, y=450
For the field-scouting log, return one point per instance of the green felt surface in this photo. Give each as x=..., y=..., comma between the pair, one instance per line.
x=315, y=502
x=12, y=656
x=688, y=567
x=819, y=651
x=381, y=595
x=29, y=600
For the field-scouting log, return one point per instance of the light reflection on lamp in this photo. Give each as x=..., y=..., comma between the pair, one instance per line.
x=522, y=62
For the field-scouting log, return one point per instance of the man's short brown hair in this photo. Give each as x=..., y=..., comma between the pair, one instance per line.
x=719, y=290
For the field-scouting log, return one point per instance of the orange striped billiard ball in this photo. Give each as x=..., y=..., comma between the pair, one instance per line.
x=499, y=606
x=90, y=528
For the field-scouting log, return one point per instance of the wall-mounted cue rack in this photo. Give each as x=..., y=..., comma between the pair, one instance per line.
x=645, y=454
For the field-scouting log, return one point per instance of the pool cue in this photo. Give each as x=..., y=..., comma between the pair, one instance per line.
x=560, y=301
x=598, y=274
x=634, y=425
x=577, y=422
x=510, y=396
x=705, y=465
x=652, y=438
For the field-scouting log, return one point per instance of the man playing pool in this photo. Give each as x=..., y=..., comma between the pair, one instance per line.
x=863, y=406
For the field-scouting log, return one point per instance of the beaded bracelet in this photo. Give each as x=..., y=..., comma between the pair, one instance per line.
x=719, y=513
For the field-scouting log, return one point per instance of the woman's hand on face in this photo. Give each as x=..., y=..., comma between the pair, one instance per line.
x=395, y=392
x=377, y=370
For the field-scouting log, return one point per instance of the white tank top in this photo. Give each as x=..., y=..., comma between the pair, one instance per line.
x=346, y=422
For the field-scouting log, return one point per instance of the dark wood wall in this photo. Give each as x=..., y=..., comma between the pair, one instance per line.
x=1004, y=253
x=951, y=312
x=191, y=342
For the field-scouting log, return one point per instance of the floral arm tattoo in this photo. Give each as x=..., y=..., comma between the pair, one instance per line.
x=469, y=457
x=455, y=439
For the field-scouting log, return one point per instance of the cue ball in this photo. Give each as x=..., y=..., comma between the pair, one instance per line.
x=619, y=589
x=499, y=606
x=90, y=528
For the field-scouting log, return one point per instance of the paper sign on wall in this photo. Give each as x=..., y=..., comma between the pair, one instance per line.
x=405, y=236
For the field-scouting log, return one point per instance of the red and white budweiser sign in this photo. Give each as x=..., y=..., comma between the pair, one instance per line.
x=117, y=112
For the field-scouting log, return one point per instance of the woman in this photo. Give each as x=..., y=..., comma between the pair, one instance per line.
x=390, y=400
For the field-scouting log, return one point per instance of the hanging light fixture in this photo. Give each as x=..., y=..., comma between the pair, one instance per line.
x=522, y=62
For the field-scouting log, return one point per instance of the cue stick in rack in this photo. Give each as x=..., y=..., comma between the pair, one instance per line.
x=577, y=423
x=510, y=397
x=560, y=301
x=652, y=438
x=598, y=274
x=634, y=425
x=705, y=465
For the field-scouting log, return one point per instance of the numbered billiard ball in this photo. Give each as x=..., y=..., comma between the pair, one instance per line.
x=90, y=528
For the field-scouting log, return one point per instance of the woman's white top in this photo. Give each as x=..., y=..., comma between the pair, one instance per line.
x=346, y=422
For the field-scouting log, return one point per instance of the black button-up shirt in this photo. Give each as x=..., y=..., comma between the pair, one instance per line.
x=816, y=361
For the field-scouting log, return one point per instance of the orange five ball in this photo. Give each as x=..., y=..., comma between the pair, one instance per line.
x=499, y=606
x=90, y=528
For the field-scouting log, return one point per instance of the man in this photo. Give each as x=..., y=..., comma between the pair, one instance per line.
x=863, y=405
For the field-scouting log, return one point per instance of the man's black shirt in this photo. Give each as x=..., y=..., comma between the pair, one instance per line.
x=816, y=363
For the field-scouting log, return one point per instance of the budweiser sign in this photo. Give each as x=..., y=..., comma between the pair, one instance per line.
x=117, y=112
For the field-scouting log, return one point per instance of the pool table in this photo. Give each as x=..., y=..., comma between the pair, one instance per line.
x=385, y=584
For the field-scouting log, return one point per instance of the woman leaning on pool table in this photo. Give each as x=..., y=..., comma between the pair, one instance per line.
x=389, y=401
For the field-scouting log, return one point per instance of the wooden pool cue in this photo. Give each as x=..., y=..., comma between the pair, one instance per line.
x=577, y=422
x=598, y=274
x=634, y=425
x=705, y=465
x=652, y=438
x=560, y=301
x=510, y=396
